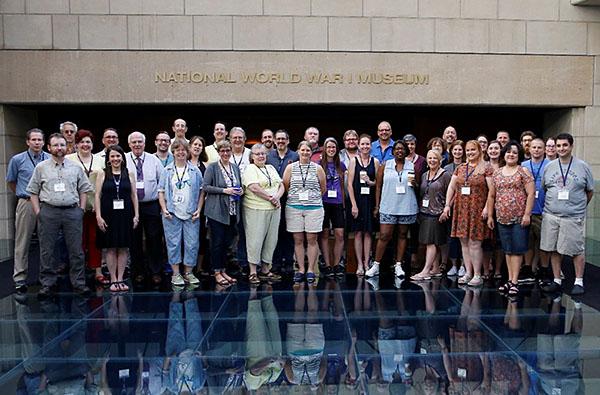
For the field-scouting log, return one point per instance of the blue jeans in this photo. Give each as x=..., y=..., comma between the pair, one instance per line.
x=177, y=232
x=221, y=236
x=515, y=238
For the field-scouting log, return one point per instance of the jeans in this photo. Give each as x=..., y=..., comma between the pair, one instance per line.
x=221, y=236
x=178, y=232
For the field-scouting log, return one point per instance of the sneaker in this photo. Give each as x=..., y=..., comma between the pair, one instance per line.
x=398, y=282
x=373, y=270
x=398, y=270
x=374, y=282
x=577, y=290
x=310, y=277
x=339, y=270
x=526, y=275
x=327, y=271
x=462, y=271
x=178, y=280
x=21, y=287
x=552, y=287
x=190, y=278
x=452, y=271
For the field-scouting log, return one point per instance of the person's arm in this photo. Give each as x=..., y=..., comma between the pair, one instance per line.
x=210, y=180
x=12, y=186
x=35, y=203
x=449, y=198
x=378, y=186
x=134, y=199
x=491, y=199
x=484, y=213
x=287, y=175
x=163, y=205
x=97, y=199
x=589, y=195
x=530, y=190
x=351, y=170
x=82, y=200
x=322, y=180
x=201, y=200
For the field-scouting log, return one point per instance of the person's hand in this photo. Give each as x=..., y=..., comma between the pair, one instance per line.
x=167, y=215
x=445, y=214
x=229, y=191
x=441, y=341
x=354, y=211
x=196, y=215
x=376, y=212
x=101, y=223
x=490, y=223
x=526, y=220
x=136, y=221
x=484, y=213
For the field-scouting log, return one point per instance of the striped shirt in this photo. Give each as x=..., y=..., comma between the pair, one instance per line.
x=304, y=179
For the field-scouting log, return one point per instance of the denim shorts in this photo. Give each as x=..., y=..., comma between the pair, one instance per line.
x=515, y=238
x=391, y=219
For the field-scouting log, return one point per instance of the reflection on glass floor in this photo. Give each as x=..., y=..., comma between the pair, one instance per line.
x=347, y=336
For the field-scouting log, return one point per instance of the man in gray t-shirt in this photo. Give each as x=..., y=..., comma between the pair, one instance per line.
x=569, y=186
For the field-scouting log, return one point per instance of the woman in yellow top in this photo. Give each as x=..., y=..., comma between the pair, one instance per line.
x=84, y=141
x=262, y=211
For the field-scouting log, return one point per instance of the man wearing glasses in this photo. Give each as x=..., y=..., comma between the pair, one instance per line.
x=110, y=137
x=163, y=144
x=350, y=147
x=382, y=148
x=68, y=130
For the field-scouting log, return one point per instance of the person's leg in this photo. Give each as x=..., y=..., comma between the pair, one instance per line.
x=72, y=225
x=173, y=234
x=402, y=241
x=217, y=245
x=299, y=250
x=555, y=260
x=191, y=241
x=112, y=264
x=338, y=234
x=514, y=265
x=25, y=220
x=121, y=254
x=385, y=235
x=358, y=250
x=230, y=232
x=476, y=254
x=136, y=252
x=312, y=250
x=94, y=254
x=579, y=263
x=153, y=230
x=324, y=244
x=468, y=263
x=49, y=224
x=368, y=246
x=270, y=229
x=430, y=258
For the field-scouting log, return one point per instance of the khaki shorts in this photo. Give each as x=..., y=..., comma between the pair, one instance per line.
x=563, y=235
x=535, y=232
x=307, y=220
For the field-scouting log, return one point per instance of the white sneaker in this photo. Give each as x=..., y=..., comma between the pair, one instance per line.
x=462, y=271
x=398, y=282
x=452, y=271
x=374, y=282
x=398, y=270
x=373, y=270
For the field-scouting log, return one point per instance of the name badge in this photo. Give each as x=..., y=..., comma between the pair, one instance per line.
x=139, y=185
x=401, y=189
x=461, y=373
x=365, y=190
x=465, y=190
x=178, y=198
x=118, y=204
x=331, y=194
x=59, y=187
x=123, y=373
x=303, y=196
x=425, y=203
x=537, y=194
x=563, y=195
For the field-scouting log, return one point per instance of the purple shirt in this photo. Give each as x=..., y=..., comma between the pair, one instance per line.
x=334, y=183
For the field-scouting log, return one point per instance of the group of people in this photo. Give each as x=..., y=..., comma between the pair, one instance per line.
x=269, y=206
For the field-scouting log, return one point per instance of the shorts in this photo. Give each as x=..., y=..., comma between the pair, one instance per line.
x=334, y=216
x=391, y=219
x=535, y=231
x=563, y=235
x=304, y=220
x=514, y=238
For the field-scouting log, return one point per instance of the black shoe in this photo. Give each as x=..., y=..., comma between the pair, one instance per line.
x=526, y=275
x=82, y=290
x=552, y=287
x=339, y=270
x=46, y=291
x=577, y=290
x=21, y=287
x=327, y=271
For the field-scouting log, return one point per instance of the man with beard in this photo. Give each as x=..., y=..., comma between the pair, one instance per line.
x=350, y=147
x=382, y=148
x=163, y=148
x=68, y=130
x=449, y=136
x=266, y=138
x=58, y=190
x=312, y=136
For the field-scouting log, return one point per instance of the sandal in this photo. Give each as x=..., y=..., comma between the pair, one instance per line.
x=123, y=287
x=220, y=280
x=270, y=276
x=476, y=281
x=114, y=287
x=360, y=272
x=436, y=275
x=298, y=277
x=464, y=279
x=513, y=290
x=253, y=279
x=497, y=276
x=310, y=277
x=419, y=277
x=443, y=267
x=101, y=279
x=485, y=276
x=504, y=287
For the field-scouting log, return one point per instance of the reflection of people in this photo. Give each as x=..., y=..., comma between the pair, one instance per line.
x=305, y=340
x=263, y=342
x=182, y=369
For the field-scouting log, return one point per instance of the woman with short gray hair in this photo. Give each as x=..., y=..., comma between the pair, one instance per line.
x=262, y=211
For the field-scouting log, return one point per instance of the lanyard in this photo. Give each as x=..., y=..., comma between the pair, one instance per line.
x=266, y=174
x=537, y=173
x=241, y=159
x=399, y=173
x=429, y=182
x=180, y=184
x=140, y=158
x=469, y=174
x=565, y=175
x=302, y=174
x=87, y=171
x=117, y=184
x=332, y=176
x=360, y=161
x=34, y=163
x=229, y=174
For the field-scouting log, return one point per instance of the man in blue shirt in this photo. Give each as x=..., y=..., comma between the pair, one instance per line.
x=536, y=166
x=283, y=256
x=20, y=170
x=382, y=148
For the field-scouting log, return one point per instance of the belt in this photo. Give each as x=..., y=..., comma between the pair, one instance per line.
x=61, y=207
x=25, y=198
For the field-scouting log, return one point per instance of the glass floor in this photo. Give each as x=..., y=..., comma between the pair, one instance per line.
x=337, y=336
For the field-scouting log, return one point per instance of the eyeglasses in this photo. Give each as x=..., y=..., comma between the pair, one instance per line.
x=259, y=154
x=162, y=140
x=351, y=139
x=224, y=151
x=384, y=130
x=68, y=131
